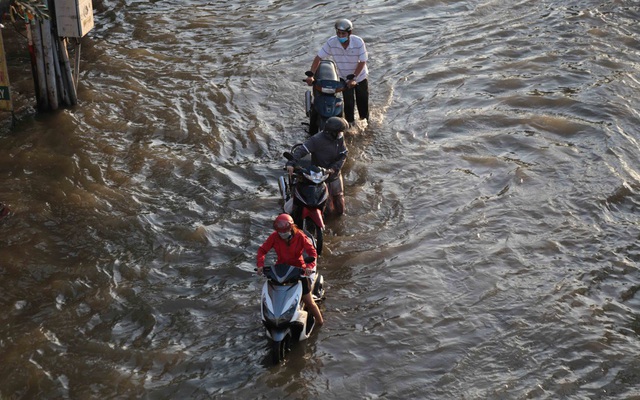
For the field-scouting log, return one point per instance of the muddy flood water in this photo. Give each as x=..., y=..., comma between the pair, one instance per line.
x=490, y=248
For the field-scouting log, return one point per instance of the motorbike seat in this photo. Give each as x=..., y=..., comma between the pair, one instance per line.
x=327, y=71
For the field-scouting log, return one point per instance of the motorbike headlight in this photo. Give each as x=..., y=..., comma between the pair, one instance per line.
x=268, y=315
x=288, y=315
x=315, y=177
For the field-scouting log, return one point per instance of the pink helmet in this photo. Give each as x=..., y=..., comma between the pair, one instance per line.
x=283, y=223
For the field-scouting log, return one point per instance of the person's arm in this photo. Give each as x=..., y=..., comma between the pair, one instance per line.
x=359, y=68
x=310, y=250
x=315, y=63
x=262, y=252
x=337, y=164
x=306, y=148
x=299, y=152
x=357, y=72
x=314, y=67
x=362, y=62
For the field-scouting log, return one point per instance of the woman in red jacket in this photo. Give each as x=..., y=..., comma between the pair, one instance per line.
x=289, y=243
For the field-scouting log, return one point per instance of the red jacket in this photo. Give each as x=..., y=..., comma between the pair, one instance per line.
x=288, y=252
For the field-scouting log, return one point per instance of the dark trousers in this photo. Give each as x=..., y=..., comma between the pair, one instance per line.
x=358, y=95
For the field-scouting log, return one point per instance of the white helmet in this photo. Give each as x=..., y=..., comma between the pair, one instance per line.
x=344, y=25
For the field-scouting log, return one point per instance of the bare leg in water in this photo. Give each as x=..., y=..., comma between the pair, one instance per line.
x=313, y=308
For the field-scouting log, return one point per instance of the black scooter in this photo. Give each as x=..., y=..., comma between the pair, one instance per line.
x=325, y=102
x=305, y=195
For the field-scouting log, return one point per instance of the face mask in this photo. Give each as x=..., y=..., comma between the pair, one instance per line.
x=284, y=235
x=343, y=39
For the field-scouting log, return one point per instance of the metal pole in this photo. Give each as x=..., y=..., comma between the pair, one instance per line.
x=41, y=86
x=49, y=63
x=67, y=73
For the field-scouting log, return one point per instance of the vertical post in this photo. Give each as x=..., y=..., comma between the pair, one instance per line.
x=76, y=70
x=63, y=91
x=32, y=51
x=55, y=79
x=60, y=75
x=49, y=65
x=66, y=69
x=41, y=94
x=5, y=88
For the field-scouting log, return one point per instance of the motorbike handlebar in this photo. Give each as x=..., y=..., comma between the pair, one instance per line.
x=285, y=275
x=298, y=169
x=309, y=74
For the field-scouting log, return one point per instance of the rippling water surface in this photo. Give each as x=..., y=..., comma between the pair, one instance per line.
x=491, y=244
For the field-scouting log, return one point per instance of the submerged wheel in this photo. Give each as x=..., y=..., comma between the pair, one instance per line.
x=318, y=288
x=312, y=229
x=279, y=349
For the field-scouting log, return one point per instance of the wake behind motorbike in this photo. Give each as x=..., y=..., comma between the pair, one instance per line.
x=283, y=312
x=305, y=195
x=324, y=102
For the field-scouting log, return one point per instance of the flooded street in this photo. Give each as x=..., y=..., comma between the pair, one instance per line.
x=491, y=243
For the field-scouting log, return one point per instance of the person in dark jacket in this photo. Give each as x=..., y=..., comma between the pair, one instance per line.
x=328, y=150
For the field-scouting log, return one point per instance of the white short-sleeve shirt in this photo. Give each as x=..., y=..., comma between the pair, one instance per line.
x=346, y=59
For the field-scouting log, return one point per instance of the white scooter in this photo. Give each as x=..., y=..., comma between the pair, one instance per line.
x=284, y=314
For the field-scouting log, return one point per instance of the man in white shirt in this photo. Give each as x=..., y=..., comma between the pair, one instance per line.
x=350, y=55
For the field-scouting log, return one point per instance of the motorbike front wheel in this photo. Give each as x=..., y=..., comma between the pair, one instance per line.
x=314, y=230
x=279, y=349
x=285, y=193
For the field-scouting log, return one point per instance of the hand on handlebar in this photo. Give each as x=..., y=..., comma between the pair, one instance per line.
x=290, y=169
x=351, y=83
x=309, y=80
x=259, y=271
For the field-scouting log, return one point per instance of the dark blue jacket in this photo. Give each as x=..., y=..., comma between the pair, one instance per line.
x=326, y=152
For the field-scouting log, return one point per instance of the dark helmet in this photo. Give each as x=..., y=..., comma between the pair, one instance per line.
x=344, y=25
x=335, y=125
x=283, y=223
